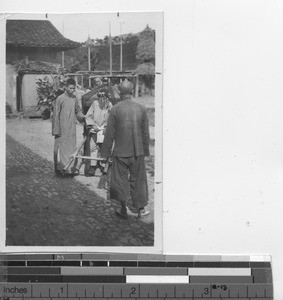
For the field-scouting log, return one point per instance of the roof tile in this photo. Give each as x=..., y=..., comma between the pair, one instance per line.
x=36, y=33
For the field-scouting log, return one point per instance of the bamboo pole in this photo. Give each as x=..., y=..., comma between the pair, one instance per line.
x=121, y=48
x=110, y=50
x=89, y=80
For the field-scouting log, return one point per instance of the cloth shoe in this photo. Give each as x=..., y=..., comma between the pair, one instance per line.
x=142, y=212
x=122, y=213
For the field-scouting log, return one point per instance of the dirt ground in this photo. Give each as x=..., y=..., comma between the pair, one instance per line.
x=35, y=134
x=45, y=210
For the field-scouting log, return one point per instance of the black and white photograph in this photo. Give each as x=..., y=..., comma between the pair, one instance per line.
x=151, y=129
x=83, y=129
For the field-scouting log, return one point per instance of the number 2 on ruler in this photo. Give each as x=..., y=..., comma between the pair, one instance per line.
x=133, y=291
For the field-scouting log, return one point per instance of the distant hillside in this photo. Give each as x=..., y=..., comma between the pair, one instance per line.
x=77, y=59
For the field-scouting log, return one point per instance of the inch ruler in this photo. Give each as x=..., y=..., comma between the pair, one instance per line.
x=139, y=276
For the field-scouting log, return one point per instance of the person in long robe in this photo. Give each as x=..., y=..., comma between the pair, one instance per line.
x=65, y=113
x=128, y=130
x=87, y=101
x=96, y=122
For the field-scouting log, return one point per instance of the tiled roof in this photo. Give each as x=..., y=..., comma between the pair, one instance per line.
x=36, y=33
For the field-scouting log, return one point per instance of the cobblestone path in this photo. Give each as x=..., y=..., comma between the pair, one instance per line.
x=43, y=210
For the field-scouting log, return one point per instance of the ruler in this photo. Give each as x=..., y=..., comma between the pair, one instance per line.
x=139, y=276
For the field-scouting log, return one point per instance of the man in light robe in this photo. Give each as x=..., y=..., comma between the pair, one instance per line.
x=87, y=100
x=96, y=122
x=66, y=112
x=128, y=130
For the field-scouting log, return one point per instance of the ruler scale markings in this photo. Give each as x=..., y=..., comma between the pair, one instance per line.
x=260, y=287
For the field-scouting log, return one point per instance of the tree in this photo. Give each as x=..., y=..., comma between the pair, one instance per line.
x=146, y=51
x=146, y=47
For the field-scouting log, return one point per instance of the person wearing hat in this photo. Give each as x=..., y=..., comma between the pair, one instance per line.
x=127, y=142
x=96, y=122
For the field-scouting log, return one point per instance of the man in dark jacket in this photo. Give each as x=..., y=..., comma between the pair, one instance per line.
x=128, y=129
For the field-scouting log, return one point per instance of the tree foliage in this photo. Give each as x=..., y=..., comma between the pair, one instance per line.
x=77, y=59
x=146, y=47
x=47, y=93
x=146, y=51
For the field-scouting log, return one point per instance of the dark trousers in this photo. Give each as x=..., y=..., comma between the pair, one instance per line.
x=87, y=153
x=129, y=175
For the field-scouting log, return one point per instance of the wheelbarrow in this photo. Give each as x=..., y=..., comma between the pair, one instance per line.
x=75, y=156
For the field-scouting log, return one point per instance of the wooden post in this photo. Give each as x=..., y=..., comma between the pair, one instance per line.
x=88, y=43
x=136, y=86
x=63, y=60
x=88, y=56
